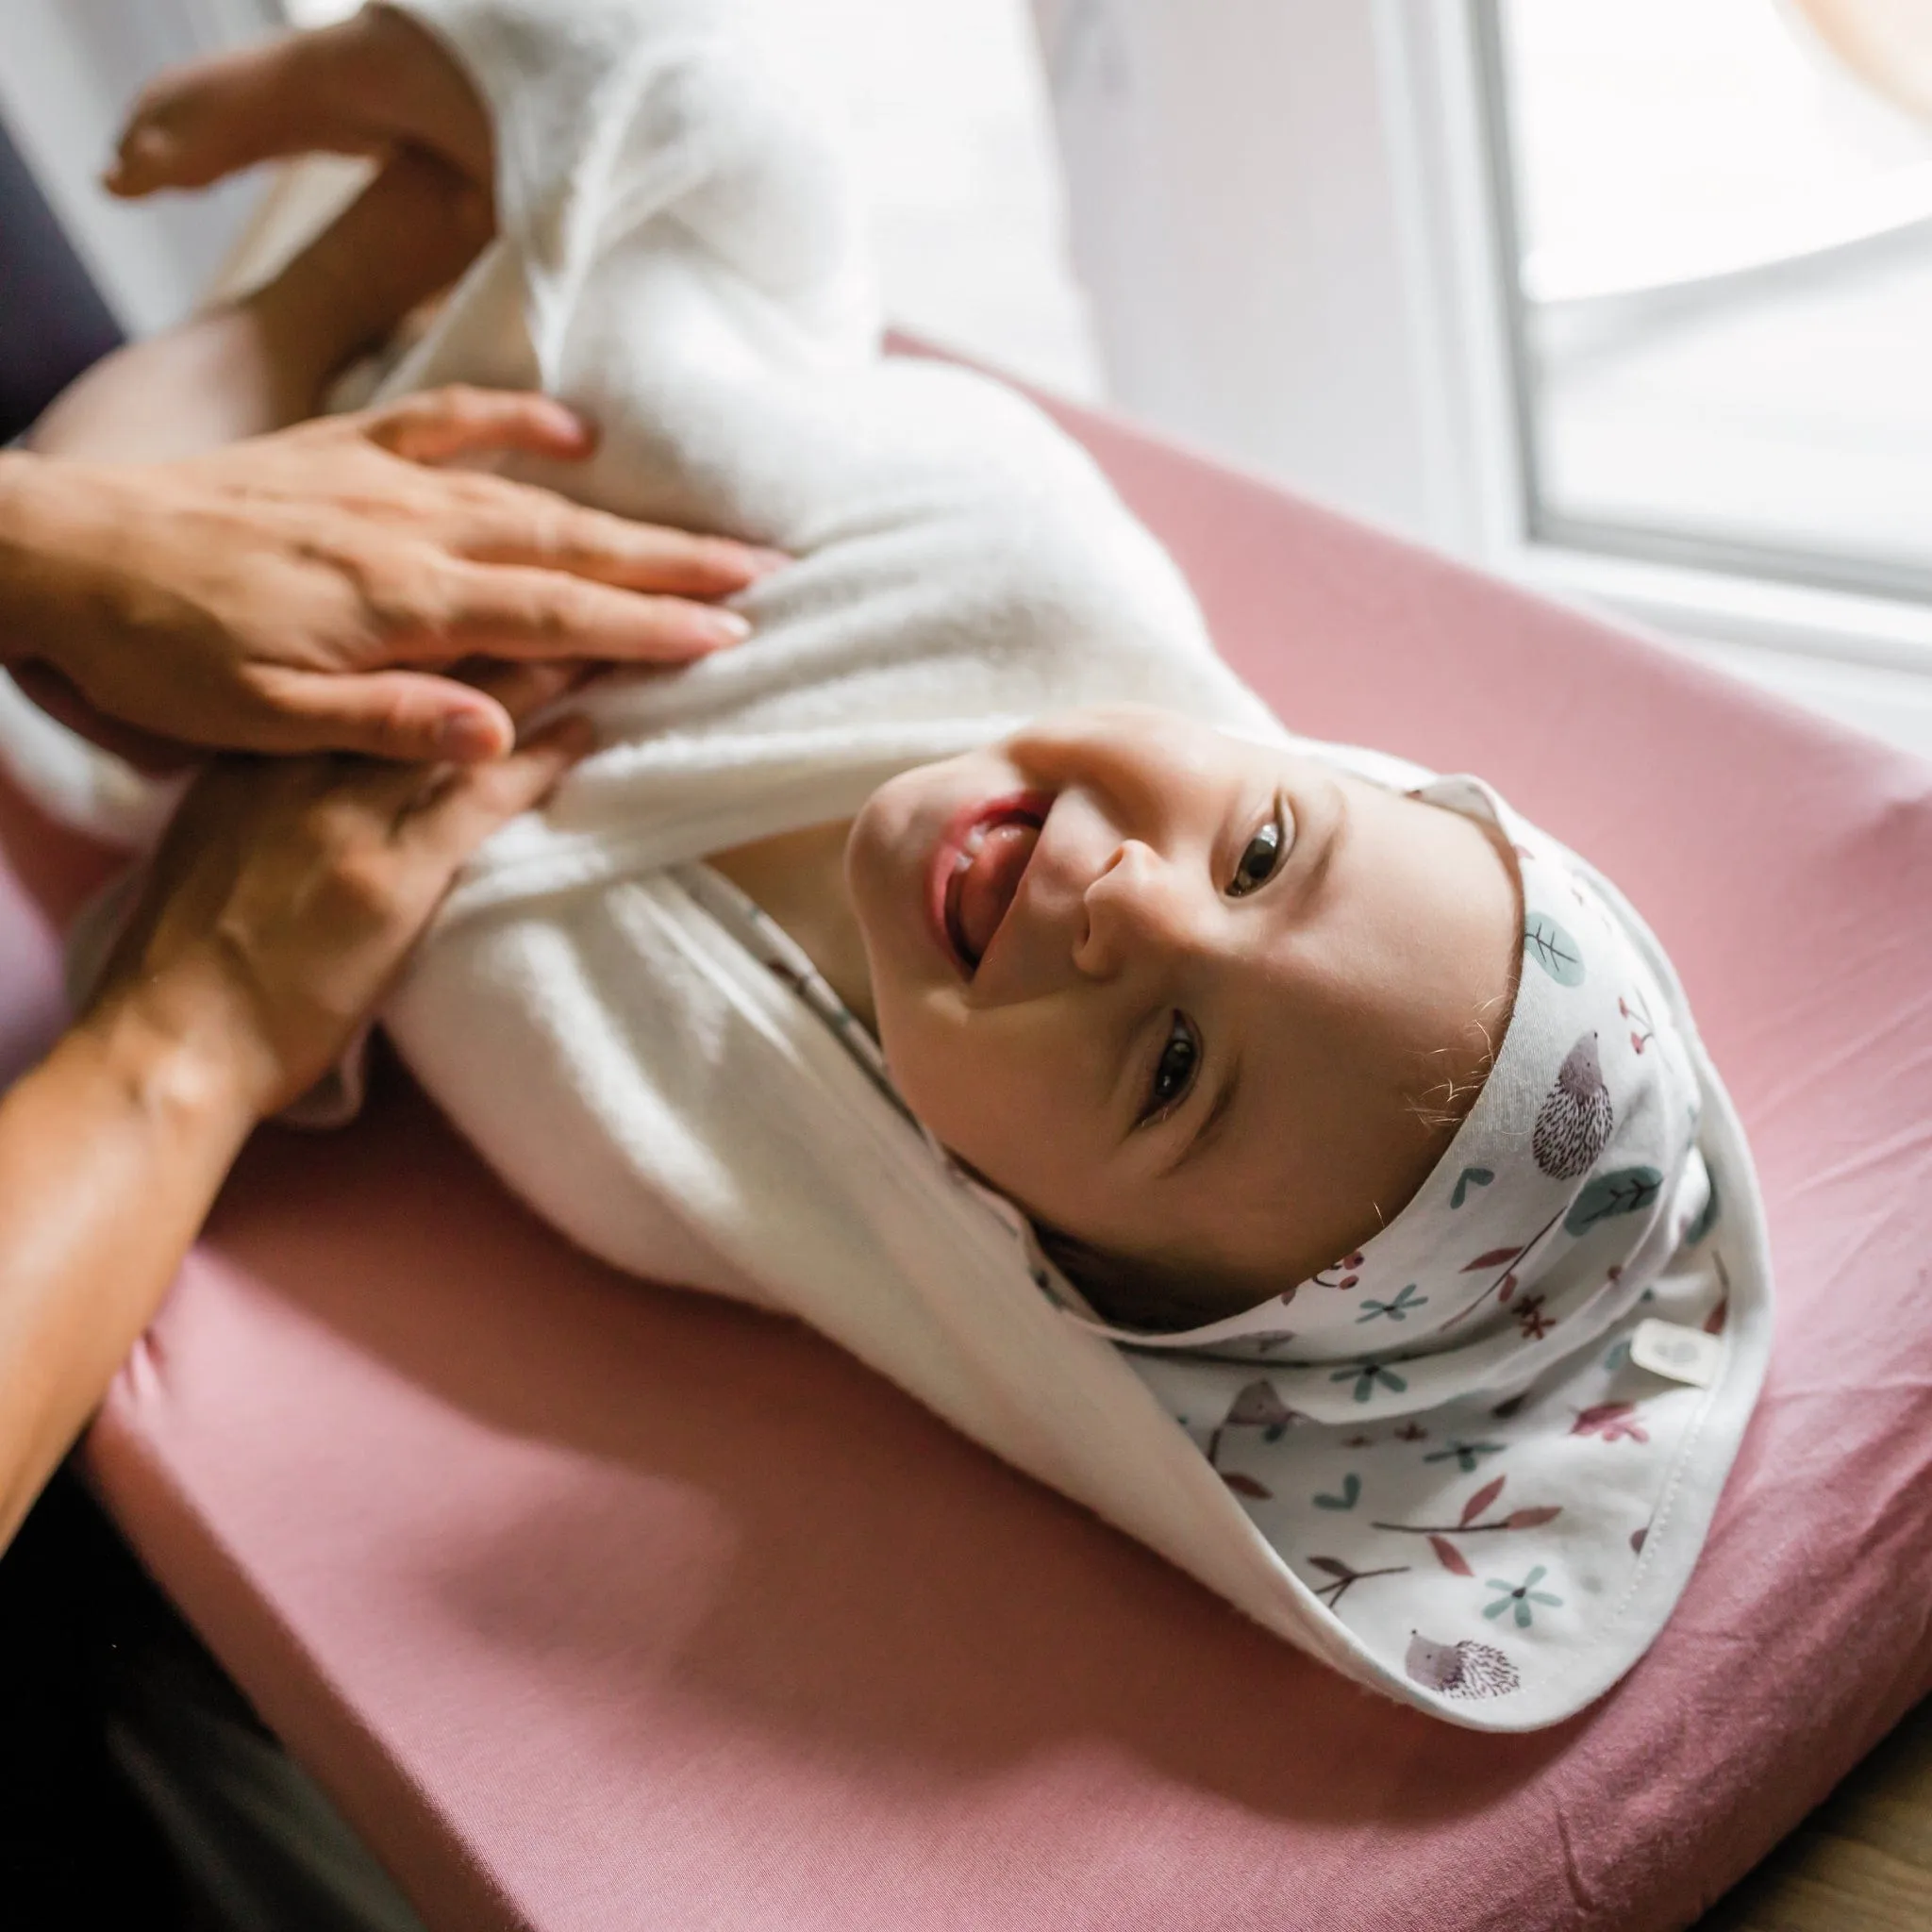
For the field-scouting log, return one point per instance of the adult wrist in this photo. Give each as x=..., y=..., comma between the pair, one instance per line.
x=45, y=595
x=21, y=562
x=185, y=1044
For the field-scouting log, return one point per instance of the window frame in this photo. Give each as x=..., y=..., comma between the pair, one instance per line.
x=1447, y=75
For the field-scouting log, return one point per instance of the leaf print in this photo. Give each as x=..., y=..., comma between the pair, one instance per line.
x=1468, y=1524
x=1399, y=1310
x=1552, y=949
x=1464, y=1453
x=1494, y=1258
x=1246, y=1485
x=1612, y=1421
x=1481, y=1500
x=1469, y=1177
x=1505, y=1285
x=1707, y=1219
x=1450, y=1557
x=1521, y=1595
x=1349, y=1496
x=1346, y=1578
x=1622, y=1190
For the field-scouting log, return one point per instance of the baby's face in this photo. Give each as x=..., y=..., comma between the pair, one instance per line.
x=1190, y=999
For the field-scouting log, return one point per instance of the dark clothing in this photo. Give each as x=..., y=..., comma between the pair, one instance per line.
x=75, y=1608
x=53, y=322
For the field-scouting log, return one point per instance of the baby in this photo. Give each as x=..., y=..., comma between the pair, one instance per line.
x=1207, y=1009
x=975, y=883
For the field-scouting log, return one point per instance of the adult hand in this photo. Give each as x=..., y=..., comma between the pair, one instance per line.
x=281, y=593
x=280, y=907
x=365, y=86
x=287, y=893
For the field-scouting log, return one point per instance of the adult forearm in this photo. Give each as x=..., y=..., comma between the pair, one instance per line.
x=38, y=579
x=111, y=1151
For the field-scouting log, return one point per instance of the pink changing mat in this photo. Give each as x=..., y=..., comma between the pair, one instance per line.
x=596, y=1605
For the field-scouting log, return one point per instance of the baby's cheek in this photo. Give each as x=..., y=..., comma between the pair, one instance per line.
x=964, y=1088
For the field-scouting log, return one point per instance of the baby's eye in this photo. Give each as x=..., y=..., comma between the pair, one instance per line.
x=1173, y=1073
x=1259, y=859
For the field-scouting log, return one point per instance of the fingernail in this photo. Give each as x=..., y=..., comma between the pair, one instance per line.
x=579, y=427
x=723, y=627
x=468, y=737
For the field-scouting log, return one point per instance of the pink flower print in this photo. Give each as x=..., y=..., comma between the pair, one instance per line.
x=1346, y=1268
x=1612, y=1421
x=1531, y=1318
x=1643, y=1031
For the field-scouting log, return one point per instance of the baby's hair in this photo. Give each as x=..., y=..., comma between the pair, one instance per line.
x=1445, y=1103
x=1130, y=1291
x=1135, y=1291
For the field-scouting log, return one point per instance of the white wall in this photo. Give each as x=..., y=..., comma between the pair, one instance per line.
x=68, y=68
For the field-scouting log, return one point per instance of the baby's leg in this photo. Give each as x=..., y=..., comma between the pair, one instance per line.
x=266, y=361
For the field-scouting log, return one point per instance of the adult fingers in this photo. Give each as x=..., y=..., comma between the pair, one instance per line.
x=512, y=611
x=516, y=524
x=414, y=716
x=456, y=818
x=461, y=419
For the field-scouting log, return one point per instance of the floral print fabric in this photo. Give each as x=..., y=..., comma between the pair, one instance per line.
x=1445, y=1437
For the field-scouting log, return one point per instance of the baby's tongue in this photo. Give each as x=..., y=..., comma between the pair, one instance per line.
x=988, y=885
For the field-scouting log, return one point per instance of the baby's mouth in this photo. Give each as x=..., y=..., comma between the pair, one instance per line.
x=985, y=876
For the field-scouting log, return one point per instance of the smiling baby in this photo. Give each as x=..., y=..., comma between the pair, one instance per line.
x=1249, y=1137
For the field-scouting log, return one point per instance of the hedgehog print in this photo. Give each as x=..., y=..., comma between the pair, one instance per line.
x=1575, y=1121
x=1461, y=1670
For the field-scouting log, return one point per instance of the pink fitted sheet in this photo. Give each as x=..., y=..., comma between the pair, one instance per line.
x=596, y=1605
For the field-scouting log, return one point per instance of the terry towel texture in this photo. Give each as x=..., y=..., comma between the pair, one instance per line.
x=679, y=256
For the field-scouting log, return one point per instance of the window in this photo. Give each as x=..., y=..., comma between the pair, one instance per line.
x=1719, y=218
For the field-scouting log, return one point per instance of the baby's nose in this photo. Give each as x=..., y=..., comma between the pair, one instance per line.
x=1136, y=909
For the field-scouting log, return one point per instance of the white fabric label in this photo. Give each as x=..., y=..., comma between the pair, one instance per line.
x=1683, y=1355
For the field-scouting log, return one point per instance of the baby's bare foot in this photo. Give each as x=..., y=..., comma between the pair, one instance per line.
x=371, y=84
